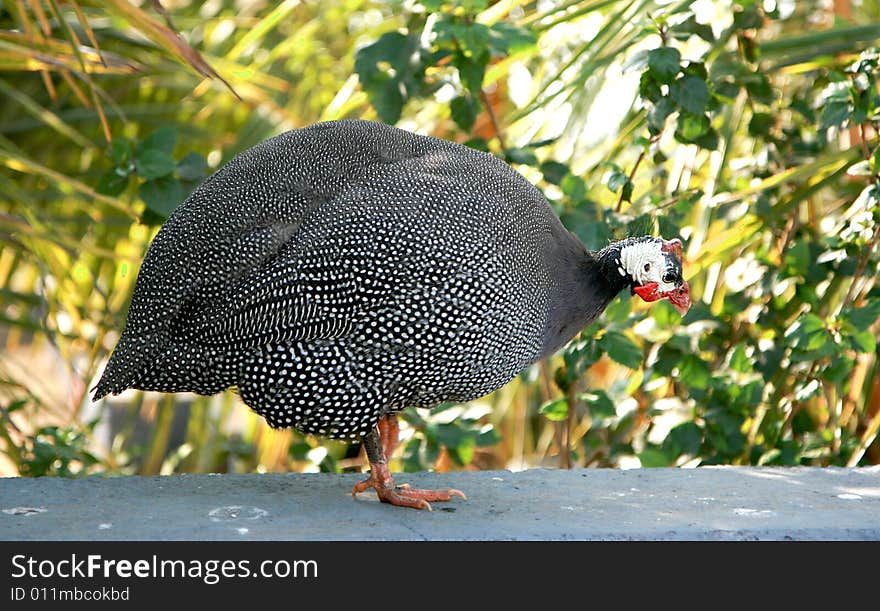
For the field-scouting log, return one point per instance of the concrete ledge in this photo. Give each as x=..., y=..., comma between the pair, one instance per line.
x=645, y=504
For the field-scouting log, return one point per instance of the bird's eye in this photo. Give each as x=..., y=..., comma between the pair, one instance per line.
x=647, y=267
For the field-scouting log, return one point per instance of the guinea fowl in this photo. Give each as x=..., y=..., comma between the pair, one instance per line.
x=338, y=273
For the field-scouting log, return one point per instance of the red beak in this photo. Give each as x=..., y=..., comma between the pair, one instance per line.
x=648, y=292
x=680, y=298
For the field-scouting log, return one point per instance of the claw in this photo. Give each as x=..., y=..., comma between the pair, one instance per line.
x=403, y=495
x=380, y=444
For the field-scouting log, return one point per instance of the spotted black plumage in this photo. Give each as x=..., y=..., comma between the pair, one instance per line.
x=345, y=270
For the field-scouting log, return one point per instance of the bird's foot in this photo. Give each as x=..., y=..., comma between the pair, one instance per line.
x=404, y=495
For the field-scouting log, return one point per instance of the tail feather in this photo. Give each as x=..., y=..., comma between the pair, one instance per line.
x=131, y=358
x=149, y=363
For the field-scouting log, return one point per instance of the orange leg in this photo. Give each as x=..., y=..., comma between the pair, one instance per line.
x=379, y=444
x=389, y=429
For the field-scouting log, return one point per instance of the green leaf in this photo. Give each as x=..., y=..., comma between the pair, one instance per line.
x=618, y=310
x=112, y=182
x=739, y=360
x=460, y=441
x=825, y=348
x=192, y=167
x=759, y=87
x=390, y=71
x=16, y=405
x=860, y=341
x=471, y=39
x=688, y=124
x=664, y=63
x=450, y=435
x=627, y=191
x=658, y=114
x=120, y=151
x=835, y=114
x=797, y=258
x=507, y=38
x=556, y=410
x=154, y=163
x=616, y=180
x=464, y=453
x=621, y=349
x=574, y=187
x=386, y=98
x=691, y=93
x=693, y=371
x=653, y=457
x=464, y=111
x=488, y=437
x=473, y=6
x=810, y=338
x=801, y=333
x=748, y=19
x=691, y=127
x=769, y=456
x=536, y=144
x=478, y=143
x=163, y=140
x=697, y=69
x=521, y=155
x=471, y=70
x=685, y=438
x=761, y=124
x=726, y=91
x=554, y=171
x=663, y=312
x=709, y=140
x=691, y=27
x=649, y=88
x=599, y=404
x=838, y=370
x=162, y=195
x=864, y=317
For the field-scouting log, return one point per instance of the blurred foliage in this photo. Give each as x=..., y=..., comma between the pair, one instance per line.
x=748, y=129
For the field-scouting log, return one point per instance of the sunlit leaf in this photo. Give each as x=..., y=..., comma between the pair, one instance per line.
x=665, y=63
x=621, y=349
x=556, y=410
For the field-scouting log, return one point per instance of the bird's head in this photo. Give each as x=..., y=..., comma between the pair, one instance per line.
x=653, y=267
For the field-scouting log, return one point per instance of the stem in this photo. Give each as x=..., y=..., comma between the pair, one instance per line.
x=161, y=436
x=632, y=173
x=863, y=140
x=860, y=268
x=867, y=439
x=11, y=449
x=571, y=399
x=493, y=119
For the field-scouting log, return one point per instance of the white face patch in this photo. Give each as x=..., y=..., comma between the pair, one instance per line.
x=645, y=262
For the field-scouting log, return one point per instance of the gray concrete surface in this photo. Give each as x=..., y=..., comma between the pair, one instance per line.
x=643, y=504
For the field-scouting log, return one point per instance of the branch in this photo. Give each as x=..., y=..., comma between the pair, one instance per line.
x=632, y=173
x=493, y=119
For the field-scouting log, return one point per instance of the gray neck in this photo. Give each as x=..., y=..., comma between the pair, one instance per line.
x=585, y=284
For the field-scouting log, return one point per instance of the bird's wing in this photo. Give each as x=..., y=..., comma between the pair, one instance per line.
x=306, y=290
